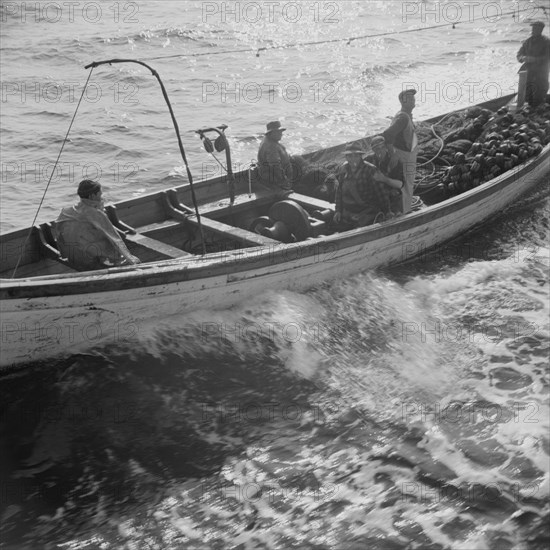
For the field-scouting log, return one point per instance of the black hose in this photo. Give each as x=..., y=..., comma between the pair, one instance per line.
x=176, y=128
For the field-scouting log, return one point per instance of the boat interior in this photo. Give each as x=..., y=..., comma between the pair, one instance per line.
x=162, y=226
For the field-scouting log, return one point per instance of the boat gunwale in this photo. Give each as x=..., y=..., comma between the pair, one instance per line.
x=243, y=259
x=200, y=184
x=239, y=260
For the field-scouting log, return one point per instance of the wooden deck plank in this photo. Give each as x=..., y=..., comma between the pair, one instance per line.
x=169, y=223
x=214, y=210
x=183, y=213
x=157, y=246
x=236, y=233
x=316, y=204
x=243, y=202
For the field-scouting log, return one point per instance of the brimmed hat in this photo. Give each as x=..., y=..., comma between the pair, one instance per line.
x=353, y=149
x=377, y=140
x=274, y=126
x=537, y=24
x=410, y=91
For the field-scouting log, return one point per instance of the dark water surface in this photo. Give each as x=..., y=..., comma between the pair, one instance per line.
x=399, y=409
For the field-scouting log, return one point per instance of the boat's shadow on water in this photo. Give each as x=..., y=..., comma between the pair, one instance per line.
x=91, y=435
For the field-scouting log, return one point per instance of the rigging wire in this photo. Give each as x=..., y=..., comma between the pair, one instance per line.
x=51, y=175
x=348, y=39
x=218, y=161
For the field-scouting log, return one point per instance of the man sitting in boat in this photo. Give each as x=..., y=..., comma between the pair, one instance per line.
x=274, y=166
x=363, y=192
x=86, y=236
x=535, y=56
x=403, y=141
x=390, y=167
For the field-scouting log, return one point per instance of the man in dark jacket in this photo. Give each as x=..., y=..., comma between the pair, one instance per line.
x=390, y=166
x=535, y=56
x=274, y=165
x=362, y=192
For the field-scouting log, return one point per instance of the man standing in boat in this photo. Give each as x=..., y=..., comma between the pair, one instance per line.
x=390, y=166
x=403, y=143
x=535, y=56
x=86, y=236
x=362, y=192
x=274, y=165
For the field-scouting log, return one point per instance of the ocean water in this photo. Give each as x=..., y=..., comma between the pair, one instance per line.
x=398, y=409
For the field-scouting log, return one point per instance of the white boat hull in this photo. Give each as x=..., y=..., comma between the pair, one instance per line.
x=44, y=317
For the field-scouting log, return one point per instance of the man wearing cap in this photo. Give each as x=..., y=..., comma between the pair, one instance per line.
x=402, y=142
x=362, y=192
x=535, y=56
x=86, y=236
x=274, y=165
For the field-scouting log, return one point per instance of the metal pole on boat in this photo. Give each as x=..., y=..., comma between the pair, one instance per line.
x=220, y=144
x=230, y=176
x=176, y=128
x=250, y=168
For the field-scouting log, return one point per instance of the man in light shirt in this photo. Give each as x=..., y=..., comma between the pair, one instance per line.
x=402, y=140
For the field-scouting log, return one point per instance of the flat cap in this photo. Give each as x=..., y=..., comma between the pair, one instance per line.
x=410, y=91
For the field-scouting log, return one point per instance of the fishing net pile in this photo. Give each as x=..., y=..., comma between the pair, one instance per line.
x=464, y=150
x=459, y=152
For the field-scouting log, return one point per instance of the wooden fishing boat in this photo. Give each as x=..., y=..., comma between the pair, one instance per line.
x=49, y=309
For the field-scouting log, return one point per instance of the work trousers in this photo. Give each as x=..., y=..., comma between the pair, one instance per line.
x=408, y=159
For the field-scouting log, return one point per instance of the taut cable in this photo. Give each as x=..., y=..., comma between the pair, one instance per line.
x=51, y=175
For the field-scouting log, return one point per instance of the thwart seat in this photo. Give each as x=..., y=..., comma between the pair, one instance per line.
x=183, y=213
x=130, y=234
